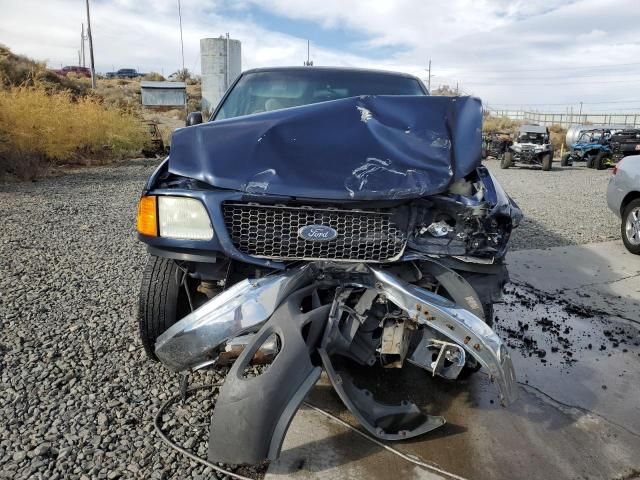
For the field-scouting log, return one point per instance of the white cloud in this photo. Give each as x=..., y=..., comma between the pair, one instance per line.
x=484, y=45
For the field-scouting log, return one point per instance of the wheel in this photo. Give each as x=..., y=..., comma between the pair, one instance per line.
x=589, y=161
x=507, y=160
x=546, y=161
x=630, y=227
x=599, y=162
x=163, y=301
x=564, y=161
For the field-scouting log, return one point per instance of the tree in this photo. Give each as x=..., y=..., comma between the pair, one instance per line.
x=181, y=75
x=445, y=91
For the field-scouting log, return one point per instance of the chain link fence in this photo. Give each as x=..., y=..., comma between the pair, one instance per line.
x=568, y=119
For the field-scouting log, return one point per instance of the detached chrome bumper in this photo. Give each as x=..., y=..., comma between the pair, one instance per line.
x=194, y=341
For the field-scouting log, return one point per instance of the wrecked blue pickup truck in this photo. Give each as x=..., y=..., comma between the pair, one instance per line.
x=324, y=219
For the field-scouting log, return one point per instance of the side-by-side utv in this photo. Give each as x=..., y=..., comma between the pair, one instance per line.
x=531, y=147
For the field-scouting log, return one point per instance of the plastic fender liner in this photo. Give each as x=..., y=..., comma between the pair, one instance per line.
x=388, y=422
x=252, y=415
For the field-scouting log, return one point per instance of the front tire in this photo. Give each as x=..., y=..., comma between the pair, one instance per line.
x=547, y=161
x=589, y=161
x=564, y=161
x=162, y=301
x=630, y=228
x=507, y=160
x=598, y=163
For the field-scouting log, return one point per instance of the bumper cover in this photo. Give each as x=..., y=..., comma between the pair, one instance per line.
x=252, y=415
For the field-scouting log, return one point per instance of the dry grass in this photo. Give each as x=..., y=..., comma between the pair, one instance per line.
x=40, y=128
x=558, y=134
x=500, y=124
x=18, y=70
x=120, y=93
x=154, y=77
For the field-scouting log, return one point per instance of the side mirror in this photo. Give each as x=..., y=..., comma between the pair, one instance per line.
x=194, y=118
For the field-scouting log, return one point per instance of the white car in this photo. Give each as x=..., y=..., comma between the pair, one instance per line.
x=623, y=198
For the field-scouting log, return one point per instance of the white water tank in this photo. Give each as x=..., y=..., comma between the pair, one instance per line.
x=221, y=64
x=574, y=131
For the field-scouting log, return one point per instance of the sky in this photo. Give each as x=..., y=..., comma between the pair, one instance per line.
x=547, y=55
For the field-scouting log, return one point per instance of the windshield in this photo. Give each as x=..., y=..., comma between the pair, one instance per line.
x=531, y=137
x=273, y=90
x=590, y=137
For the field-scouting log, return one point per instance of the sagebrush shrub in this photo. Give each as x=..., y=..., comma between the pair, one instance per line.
x=57, y=127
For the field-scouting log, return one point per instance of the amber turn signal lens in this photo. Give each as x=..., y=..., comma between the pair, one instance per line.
x=147, y=216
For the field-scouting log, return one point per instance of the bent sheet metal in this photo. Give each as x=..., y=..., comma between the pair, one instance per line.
x=361, y=148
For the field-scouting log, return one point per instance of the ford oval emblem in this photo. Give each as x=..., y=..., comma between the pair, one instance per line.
x=317, y=233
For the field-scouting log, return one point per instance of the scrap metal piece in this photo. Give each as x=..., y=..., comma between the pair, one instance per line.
x=252, y=415
x=195, y=339
x=396, y=334
x=455, y=323
x=438, y=229
x=450, y=357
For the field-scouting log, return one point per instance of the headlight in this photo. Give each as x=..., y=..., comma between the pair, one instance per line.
x=174, y=217
x=183, y=217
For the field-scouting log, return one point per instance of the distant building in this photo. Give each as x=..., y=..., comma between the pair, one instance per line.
x=221, y=63
x=163, y=94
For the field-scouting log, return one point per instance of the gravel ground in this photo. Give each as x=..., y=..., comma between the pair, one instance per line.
x=566, y=206
x=78, y=396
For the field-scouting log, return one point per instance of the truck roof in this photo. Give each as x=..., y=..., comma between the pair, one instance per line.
x=533, y=129
x=332, y=69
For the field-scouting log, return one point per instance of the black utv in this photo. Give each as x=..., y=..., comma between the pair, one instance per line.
x=495, y=144
x=625, y=143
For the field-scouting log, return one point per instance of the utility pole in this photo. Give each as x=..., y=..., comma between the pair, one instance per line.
x=83, y=37
x=93, y=68
x=429, y=80
x=226, y=74
x=580, y=114
x=571, y=117
x=181, y=42
x=457, y=94
x=308, y=63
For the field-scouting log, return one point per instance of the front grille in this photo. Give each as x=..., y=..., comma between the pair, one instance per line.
x=271, y=231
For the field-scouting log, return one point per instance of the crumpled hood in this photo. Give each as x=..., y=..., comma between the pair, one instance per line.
x=361, y=148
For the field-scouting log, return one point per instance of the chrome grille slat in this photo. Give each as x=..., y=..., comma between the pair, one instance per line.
x=271, y=231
